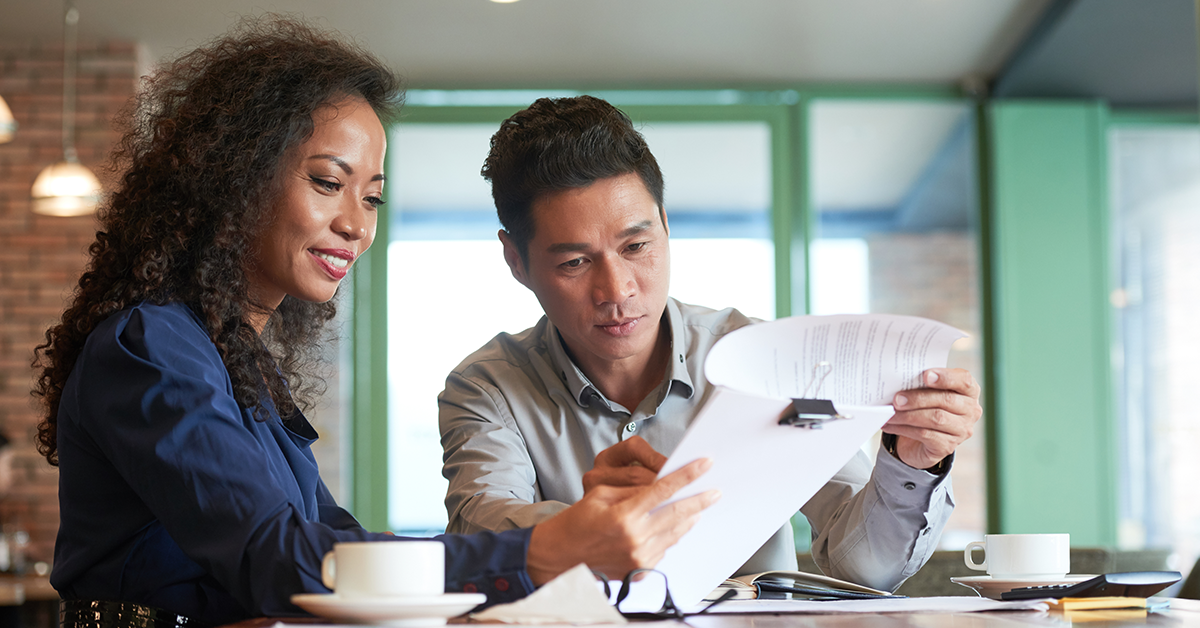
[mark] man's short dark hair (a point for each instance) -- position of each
(560, 144)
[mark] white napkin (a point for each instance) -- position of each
(571, 598)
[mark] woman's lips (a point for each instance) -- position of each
(336, 263)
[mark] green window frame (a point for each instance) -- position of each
(785, 112)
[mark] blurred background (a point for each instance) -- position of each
(1026, 170)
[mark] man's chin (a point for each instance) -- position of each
(617, 349)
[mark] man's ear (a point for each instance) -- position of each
(512, 256)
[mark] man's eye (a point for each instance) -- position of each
(575, 263)
(637, 246)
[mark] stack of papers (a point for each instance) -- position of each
(859, 362)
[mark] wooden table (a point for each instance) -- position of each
(1010, 619)
(1184, 614)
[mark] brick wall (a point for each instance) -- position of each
(41, 257)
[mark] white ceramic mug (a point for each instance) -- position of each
(385, 569)
(1022, 556)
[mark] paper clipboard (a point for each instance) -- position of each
(813, 413)
(739, 429)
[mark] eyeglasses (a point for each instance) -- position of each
(655, 581)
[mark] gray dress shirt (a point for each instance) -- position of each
(521, 424)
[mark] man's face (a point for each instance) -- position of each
(600, 265)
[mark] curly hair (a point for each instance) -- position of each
(199, 162)
(559, 144)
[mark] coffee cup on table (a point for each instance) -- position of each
(1022, 556)
(385, 569)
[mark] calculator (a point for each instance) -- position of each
(1125, 584)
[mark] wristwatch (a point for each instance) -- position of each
(889, 445)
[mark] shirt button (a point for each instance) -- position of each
(501, 584)
(908, 486)
(925, 531)
(631, 427)
(470, 588)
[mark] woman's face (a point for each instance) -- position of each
(324, 215)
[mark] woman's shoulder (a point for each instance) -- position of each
(153, 332)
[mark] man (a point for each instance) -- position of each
(609, 380)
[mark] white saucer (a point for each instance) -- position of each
(409, 612)
(987, 586)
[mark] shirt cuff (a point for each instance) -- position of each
(499, 571)
(919, 500)
(904, 483)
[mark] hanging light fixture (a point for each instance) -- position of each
(67, 188)
(8, 124)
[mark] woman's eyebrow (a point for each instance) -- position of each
(341, 163)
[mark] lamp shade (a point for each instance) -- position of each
(65, 189)
(8, 124)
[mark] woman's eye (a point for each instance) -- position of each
(374, 201)
(328, 186)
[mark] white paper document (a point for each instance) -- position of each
(955, 604)
(767, 471)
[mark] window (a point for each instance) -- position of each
(1154, 174)
(891, 228)
(894, 204)
(449, 290)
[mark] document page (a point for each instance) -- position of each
(767, 471)
(868, 357)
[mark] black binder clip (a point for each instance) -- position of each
(812, 413)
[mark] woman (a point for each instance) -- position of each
(252, 171)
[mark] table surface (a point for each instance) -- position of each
(1186, 613)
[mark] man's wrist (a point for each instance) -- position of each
(888, 442)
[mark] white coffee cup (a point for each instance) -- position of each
(1022, 556)
(385, 569)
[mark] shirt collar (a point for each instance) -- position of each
(582, 388)
(678, 371)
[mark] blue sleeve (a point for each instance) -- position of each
(169, 424)
(332, 515)
(485, 563)
(489, 562)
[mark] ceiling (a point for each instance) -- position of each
(1140, 53)
(1130, 53)
(583, 43)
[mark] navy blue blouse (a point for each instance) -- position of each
(173, 496)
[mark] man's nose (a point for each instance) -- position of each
(614, 282)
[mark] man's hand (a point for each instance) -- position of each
(612, 529)
(632, 462)
(931, 422)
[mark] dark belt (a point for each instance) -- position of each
(103, 614)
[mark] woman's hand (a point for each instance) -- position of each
(613, 530)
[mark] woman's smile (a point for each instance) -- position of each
(325, 213)
(336, 262)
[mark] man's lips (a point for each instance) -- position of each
(618, 328)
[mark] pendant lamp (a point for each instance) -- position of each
(67, 188)
(8, 124)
